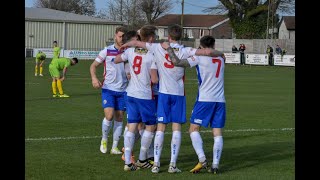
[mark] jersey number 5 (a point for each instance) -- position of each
(137, 64)
(219, 66)
(169, 63)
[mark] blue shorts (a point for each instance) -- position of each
(156, 99)
(141, 110)
(113, 99)
(204, 113)
(171, 108)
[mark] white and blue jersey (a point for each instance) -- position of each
(115, 80)
(114, 75)
(141, 106)
(210, 103)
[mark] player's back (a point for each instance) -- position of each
(60, 63)
(210, 71)
(40, 55)
(171, 78)
(140, 61)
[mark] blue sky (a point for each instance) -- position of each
(190, 6)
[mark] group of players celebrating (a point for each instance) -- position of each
(146, 80)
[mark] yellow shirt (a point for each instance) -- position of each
(56, 52)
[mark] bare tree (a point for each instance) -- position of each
(87, 7)
(102, 13)
(84, 7)
(137, 12)
(154, 8)
(114, 9)
(248, 17)
(225, 6)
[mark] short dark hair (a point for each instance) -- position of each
(128, 35)
(55, 42)
(175, 32)
(207, 41)
(75, 59)
(147, 31)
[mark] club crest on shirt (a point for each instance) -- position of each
(192, 58)
(140, 50)
(175, 49)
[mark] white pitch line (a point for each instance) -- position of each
(206, 131)
(31, 83)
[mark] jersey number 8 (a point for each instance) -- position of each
(137, 64)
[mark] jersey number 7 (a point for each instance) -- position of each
(219, 66)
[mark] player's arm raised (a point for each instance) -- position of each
(118, 59)
(134, 43)
(208, 52)
(175, 60)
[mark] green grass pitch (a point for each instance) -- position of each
(62, 136)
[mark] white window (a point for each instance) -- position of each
(165, 33)
(201, 33)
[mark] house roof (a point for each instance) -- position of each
(190, 20)
(45, 14)
(290, 22)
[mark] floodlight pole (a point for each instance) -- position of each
(267, 34)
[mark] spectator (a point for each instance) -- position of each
(234, 49)
(278, 50)
(242, 48)
(283, 52)
(270, 54)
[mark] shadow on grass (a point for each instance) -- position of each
(243, 157)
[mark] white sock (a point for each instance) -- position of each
(150, 152)
(146, 140)
(128, 146)
(106, 126)
(175, 147)
(158, 144)
(141, 132)
(217, 150)
(125, 130)
(197, 145)
(117, 130)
